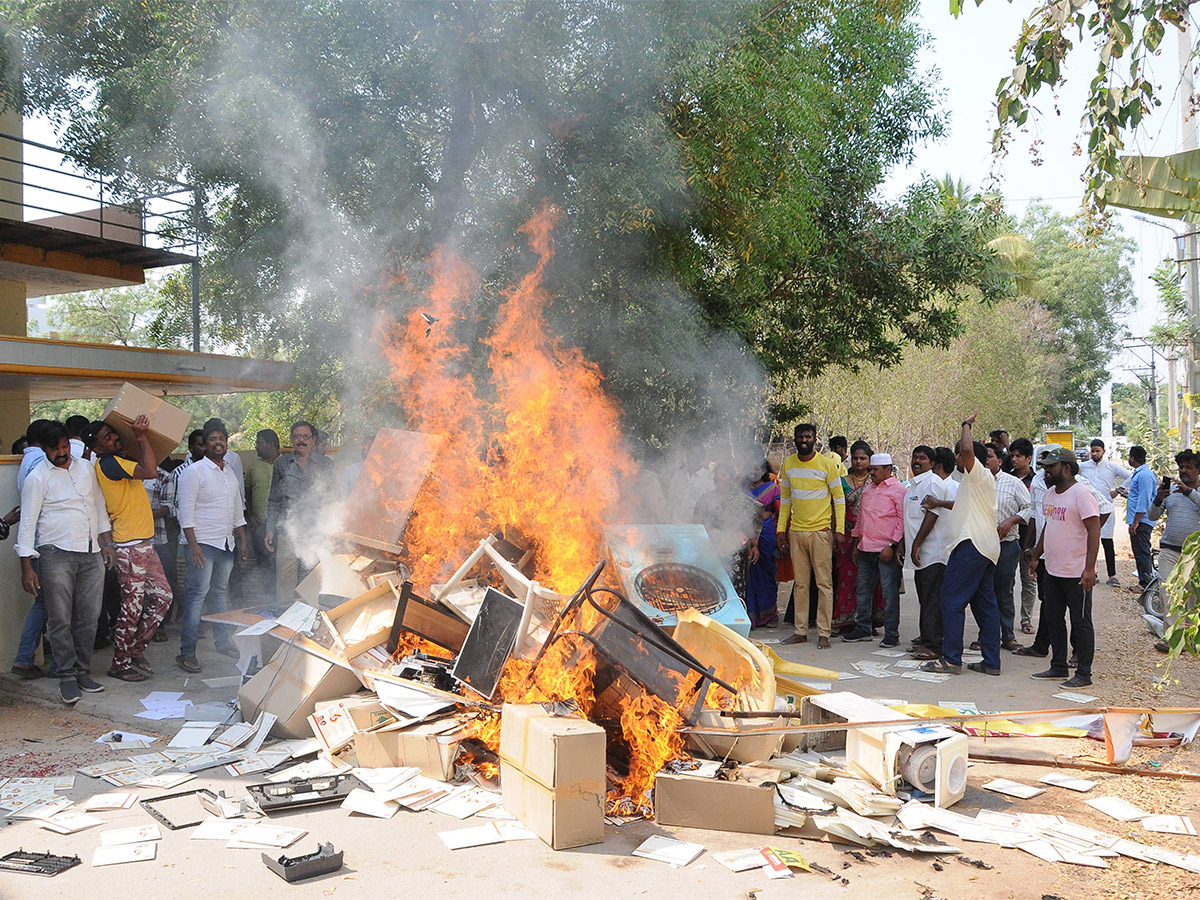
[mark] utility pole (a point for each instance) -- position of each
(1187, 90)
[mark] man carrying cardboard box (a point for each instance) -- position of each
(145, 591)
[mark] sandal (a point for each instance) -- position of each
(139, 663)
(1011, 645)
(1026, 628)
(130, 675)
(975, 645)
(940, 667)
(188, 663)
(925, 653)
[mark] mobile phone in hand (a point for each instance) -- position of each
(1165, 487)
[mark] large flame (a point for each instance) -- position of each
(534, 444)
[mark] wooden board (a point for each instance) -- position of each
(383, 495)
(426, 620)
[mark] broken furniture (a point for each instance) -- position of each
(667, 568)
(299, 792)
(37, 863)
(393, 473)
(297, 868)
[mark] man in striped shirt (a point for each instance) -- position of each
(812, 511)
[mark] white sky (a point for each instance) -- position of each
(972, 54)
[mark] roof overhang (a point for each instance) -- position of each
(59, 370)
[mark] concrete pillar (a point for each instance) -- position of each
(14, 404)
(11, 158)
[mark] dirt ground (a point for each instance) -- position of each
(39, 737)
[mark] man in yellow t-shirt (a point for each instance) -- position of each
(812, 510)
(145, 592)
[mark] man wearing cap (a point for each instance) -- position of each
(970, 571)
(1070, 539)
(1105, 476)
(878, 549)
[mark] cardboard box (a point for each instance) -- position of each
(552, 774)
(571, 815)
(746, 805)
(168, 424)
(334, 722)
(364, 622)
(430, 746)
(290, 686)
(552, 750)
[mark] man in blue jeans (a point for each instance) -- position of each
(35, 621)
(878, 551)
(1142, 488)
(971, 569)
(65, 527)
(214, 524)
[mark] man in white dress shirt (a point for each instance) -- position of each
(214, 524)
(63, 513)
(1105, 476)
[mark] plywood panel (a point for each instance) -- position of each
(384, 492)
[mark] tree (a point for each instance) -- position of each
(998, 365)
(1084, 287)
(729, 152)
(1120, 95)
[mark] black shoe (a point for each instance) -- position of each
(1051, 673)
(69, 691)
(29, 673)
(1160, 646)
(89, 684)
(1031, 651)
(858, 634)
(982, 669)
(1077, 681)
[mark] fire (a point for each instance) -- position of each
(531, 442)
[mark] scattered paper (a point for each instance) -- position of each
(71, 822)
(891, 654)
(111, 856)
(260, 627)
(299, 617)
(194, 734)
(1169, 825)
(223, 682)
(261, 835)
(217, 829)
(463, 804)
(134, 835)
(167, 780)
(158, 698)
(740, 860)
(262, 726)
(1075, 697)
(476, 836)
(101, 802)
(124, 738)
(1119, 809)
(368, 803)
(1012, 788)
(1067, 781)
(668, 850)
(159, 713)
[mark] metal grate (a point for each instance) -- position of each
(671, 587)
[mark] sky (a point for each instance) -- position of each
(972, 53)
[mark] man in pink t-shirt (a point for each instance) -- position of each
(1070, 539)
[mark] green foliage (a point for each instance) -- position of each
(1172, 335)
(1120, 94)
(1084, 286)
(922, 399)
(733, 151)
(1183, 587)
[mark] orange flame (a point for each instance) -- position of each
(534, 444)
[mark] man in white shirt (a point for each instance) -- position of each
(62, 512)
(214, 525)
(1013, 508)
(970, 570)
(925, 542)
(1105, 476)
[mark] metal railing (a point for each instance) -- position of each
(42, 184)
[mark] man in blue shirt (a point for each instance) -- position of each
(1142, 488)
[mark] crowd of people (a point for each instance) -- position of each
(991, 526)
(111, 541)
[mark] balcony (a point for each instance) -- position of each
(65, 229)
